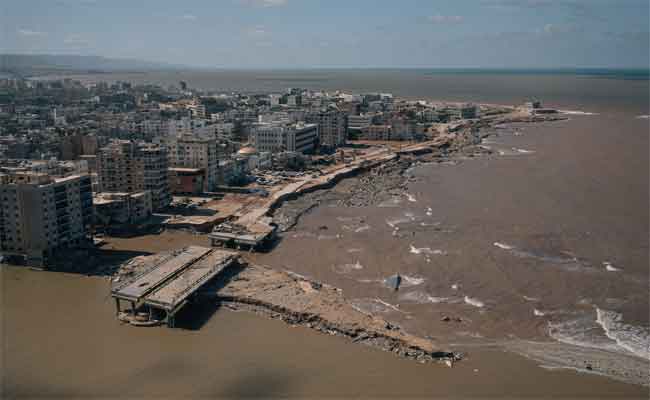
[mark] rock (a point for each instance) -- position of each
(323, 227)
(393, 282)
(445, 319)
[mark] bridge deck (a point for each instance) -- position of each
(175, 291)
(158, 275)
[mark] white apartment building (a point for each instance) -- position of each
(359, 121)
(274, 138)
(40, 214)
(190, 126)
(279, 117)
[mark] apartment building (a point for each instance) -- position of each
(121, 208)
(275, 138)
(268, 137)
(332, 127)
(468, 111)
(41, 214)
(377, 132)
(126, 167)
(359, 121)
(189, 151)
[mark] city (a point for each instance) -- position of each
(324, 199)
(82, 161)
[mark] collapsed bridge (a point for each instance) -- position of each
(167, 283)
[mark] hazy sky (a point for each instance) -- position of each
(336, 33)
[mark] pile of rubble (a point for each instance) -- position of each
(231, 227)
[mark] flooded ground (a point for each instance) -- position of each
(63, 341)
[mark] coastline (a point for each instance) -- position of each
(309, 194)
(479, 353)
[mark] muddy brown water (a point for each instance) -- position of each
(513, 244)
(63, 341)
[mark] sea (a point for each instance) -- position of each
(539, 248)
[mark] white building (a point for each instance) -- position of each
(274, 138)
(359, 121)
(190, 126)
(41, 214)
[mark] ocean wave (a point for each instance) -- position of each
(606, 332)
(429, 212)
(474, 302)
(426, 250)
(411, 198)
(582, 332)
(362, 228)
(408, 281)
(540, 313)
(347, 268)
(393, 223)
(523, 151)
(527, 298)
(503, 246)
(634, 339)
(573, 262)
(354, 250)
(514, 151)
(643, 117)
(609, 267)
(420, 297)
(570, 112)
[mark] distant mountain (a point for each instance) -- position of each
(37, 64)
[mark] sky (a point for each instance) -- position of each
(337, 33)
